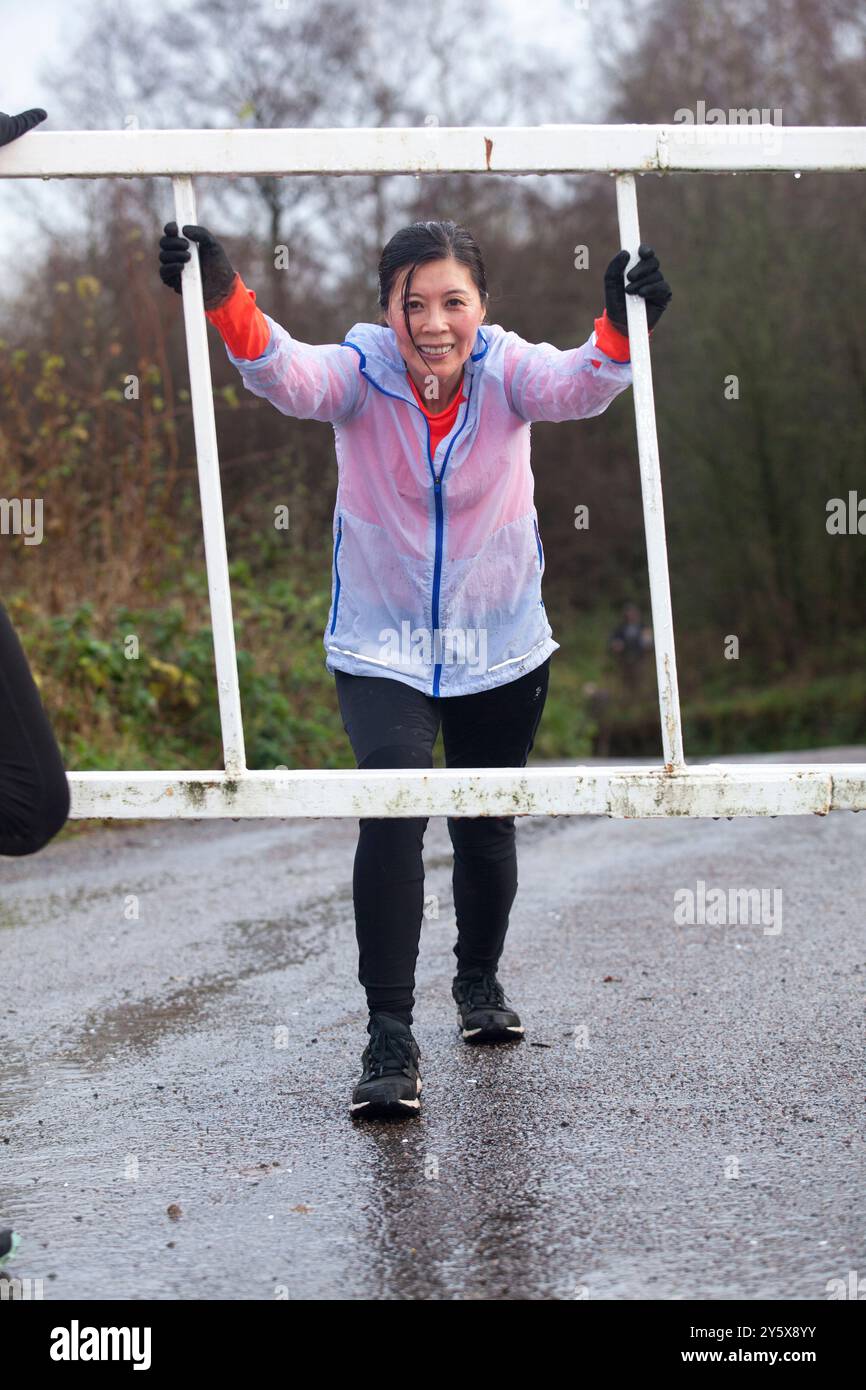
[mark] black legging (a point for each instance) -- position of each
(34, 792)
(391, 724)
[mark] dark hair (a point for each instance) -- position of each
(428, 241)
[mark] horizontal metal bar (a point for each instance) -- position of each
(544, 149)
(729, 789)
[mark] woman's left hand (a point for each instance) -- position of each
(646, 280)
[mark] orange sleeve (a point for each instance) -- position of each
(612, 342)
(241, 323)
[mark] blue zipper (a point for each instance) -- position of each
(336, 571)
(540, 559)
(538, 543)
(437, 482)
(440, 523)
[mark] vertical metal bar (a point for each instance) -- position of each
(216, 557)
(651, 486)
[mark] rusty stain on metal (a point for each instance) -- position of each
(488, 147)
(670, 718)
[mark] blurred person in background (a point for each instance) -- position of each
(631, 640)
(628, 679)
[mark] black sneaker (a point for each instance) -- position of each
(389, 1083)
(485, 1013)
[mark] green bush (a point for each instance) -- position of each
(136, 689)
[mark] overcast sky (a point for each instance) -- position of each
(34, 33)
(34, 30)
(30, 32)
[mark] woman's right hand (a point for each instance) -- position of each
(217, 273)
(13, 126)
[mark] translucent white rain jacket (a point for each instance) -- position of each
(437, 563)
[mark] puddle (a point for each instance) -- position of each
(25, 1079)
(259, 946)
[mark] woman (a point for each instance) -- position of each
(436, 610)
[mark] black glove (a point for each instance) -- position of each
(217, 273)
(13, 126)
(647, 281)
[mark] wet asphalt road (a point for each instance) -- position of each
(681, 1121)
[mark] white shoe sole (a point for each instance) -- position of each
(510, 1028)
(390, 1106)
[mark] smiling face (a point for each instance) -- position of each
(445, 311)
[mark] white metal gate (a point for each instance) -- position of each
(670, 789)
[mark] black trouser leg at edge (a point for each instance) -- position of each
(34, 792)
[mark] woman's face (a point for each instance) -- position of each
(445, 310)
